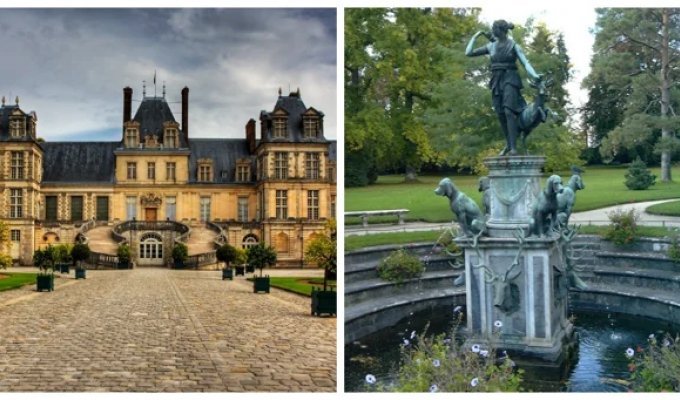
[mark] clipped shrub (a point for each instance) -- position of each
(399, 266)
(638, 176)
(124, 253)
(623, 228)
(657, 367)
(180, 252)
(446, 243)
(441, 364)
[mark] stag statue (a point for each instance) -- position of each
(535, 113)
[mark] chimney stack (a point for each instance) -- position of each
(127, 104)
(250, 136)
(185, 114)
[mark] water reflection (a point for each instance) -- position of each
(600, 366)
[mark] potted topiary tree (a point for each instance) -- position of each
(124, 256)
(226, 254)
(323, 251)
(44, 259)
(62, 258)
(242, 260)
(180, 253)
(260, 256)
(80, 252)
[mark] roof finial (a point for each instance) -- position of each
(298, 91)
(3, 101)
(143, 88)
(279, 91)
(17, 100)
(163, 89)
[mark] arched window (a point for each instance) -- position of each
(249, 241)
(150, 248)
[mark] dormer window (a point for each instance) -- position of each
(170, 138)
(131, 137)
(311, 127)
(16, 127)
(205, 170)
(280, 127)
(242, 173)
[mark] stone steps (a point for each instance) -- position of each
(201, 240)
(367, 270)
(637, 277)
(370, 289)
(626, 260)
(101, 241)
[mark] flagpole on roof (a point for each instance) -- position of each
(154, 83)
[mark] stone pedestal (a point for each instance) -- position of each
(515, 282)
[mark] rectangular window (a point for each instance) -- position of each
(102, 208)
(280, 128)
(170, 171)
(280, 165)
(332, 206)
(16, 203)
(151, 170)
(243, 209)
(15, 128)
(311, 127)
(170, 136)
(15, 235)
(50, 208)
(204, 173)
(205, 209)
(132, 170)
(312, 204)
(281, 204)
(171, 208)
(130, 138)
(243, 173)
(76, 208)
(131, 208)
(312, 165)
(17, 165)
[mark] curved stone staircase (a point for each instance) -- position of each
(201, 240)
(100, 240)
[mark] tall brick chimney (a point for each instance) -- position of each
(185, 113)
(127, 104)
(250, 136)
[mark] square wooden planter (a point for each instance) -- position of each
(240, 271)
(250, 269)
(261, 284)
(64, 269)
(45, 282)
(324, 302)
(81, 273)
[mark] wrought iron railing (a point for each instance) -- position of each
(103, 260)
(199, 260)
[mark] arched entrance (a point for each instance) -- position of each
(150, 249)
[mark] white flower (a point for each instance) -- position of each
(457, 309)
(434, 388)
(630, 352)
(413, 335)
(406, 342)
(498, 324)
(474, 382)
(370, 379)
(651, 336)
(475, 348)
(436, 363)
(666, 343)
(447, 341)
(484, 353)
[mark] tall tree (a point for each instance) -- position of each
(635, 49)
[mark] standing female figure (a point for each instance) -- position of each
(505, 81)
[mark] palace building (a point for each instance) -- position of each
(159, 185)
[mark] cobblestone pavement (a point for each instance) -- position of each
(153, 330)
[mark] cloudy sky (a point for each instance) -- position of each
(70, 65)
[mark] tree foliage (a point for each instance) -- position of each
(261, 256)
(412, 98)
(5, 258)
(226, 254)
(633, 96)
(323, 249)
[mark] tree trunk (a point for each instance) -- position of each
(665, 95)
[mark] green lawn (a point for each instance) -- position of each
(299, 285)
(15, 280)
(604, 187)
(671, 208)
(396, 238)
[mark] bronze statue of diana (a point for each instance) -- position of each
(505, 81)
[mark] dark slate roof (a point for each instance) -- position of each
(333, 150)
(295, 107)
(223, 152)
(151, 114)
(79, 162)
(5, 112)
